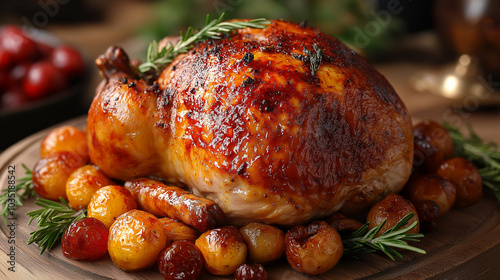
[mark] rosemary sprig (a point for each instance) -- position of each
(156, 59)
(365, 241)
(53, 220)
(23, 190)
(486, 157)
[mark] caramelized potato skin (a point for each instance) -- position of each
(342, 224)
(432, 145)
(109, 202)
(177, 231)
(265, 243)
(83, 183)
(391, 209)
(65, 138)
(250, 271)
(313, 249)
(51, 173)
(135, 240)
(465, 176)
(428, 214)
(223, 249)
(431, 187)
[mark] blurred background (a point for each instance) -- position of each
(417, 45)
(366, 25)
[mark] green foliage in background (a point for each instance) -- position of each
(344, 19)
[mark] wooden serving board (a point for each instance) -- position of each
(465, 244)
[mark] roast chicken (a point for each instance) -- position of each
(279, 125)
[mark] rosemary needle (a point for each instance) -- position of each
(366, 241)
(156, 59)
(52, 220)
(485, 156)
(23, 190)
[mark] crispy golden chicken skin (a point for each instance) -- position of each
(251, 122)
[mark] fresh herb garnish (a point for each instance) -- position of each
(156, 60)
(22, 191)
(314, 58)
(485, 157)
(366, 241)
(53, 220)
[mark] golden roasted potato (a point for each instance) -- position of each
(465, 176)
(177, 231)
(51, 173)
(83, 183)
(431, 187)
(109, 202)
(223, 249)
(313, 249)
(135, 240)
(265, 242)
(65, 139)
(392, 209)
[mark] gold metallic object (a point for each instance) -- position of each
(462, 81)
(471, 30)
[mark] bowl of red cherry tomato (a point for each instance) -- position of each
(42, 82)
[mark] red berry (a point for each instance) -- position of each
(5, 60)
(13, 97)
(250, 272)
(8, 29)
(18, 72)
(85, 240)
(42, 79)
(3, 81)
(68, 60)
(182, 260)
(20, 47)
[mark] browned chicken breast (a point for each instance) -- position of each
(279, 125)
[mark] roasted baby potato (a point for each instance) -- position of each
(343, 224)
(265, 242)
(428, 214)
(135, 240)
(181, 260)
(431, 187)
(465, 176)
(432, 145)
(223, 249)
(65, 139)
(109, 202)
(392, 209)
(250, 271)
(51, 173)
(313, 249)
(177, 231)
(83, 183)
